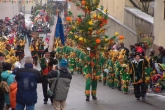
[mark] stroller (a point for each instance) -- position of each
(159, 80)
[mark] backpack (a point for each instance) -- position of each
(4, 87)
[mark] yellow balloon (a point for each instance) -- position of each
(116, 33)
(76, 36)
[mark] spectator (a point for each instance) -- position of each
(27, 79)
(12, 93)
(15, 67)
(160, 54)
(2, 98)
(132, 48)
(29, 37)
(63, 84)
(139, 49)
(121, 46)
(9, 78)
(163, 56)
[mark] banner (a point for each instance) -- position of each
(59, 32)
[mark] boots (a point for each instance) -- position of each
(87, 98)
(94, 97)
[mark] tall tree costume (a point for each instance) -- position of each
(138, 76)
(46, 64)
(91, 78)
(34, 52)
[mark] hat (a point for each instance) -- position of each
(137, 53)
(17, 64)
(64, 63)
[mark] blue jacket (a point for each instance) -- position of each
(9, 78)
(27, 79)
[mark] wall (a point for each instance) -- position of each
(115, 8)
(8, 9)
(159, 23)
(138, 21)
(117, 26)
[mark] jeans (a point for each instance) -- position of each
(22, 106)
(2, 103)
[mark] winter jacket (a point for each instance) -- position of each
(27, 79)
(63, 84)
(9, 78)
(1, 92)
(12, 94)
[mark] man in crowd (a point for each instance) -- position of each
(27, 79)
(63, 84)
(46, 64)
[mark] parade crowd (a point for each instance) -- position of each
(118, 68)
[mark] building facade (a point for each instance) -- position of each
(9, 9)
(159, 23)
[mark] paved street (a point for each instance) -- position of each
(108, 99)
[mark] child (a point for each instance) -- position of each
(15, 67)
(12, 94)
(47, 38)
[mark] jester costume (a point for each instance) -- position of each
(138, 76)
(71, 61)
(40, 45)
(125, 77)
(34, 52)
(111, 75)
(103, 60)
(46, 64)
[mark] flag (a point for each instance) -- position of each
(59, 31)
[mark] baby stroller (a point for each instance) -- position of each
(159, 80)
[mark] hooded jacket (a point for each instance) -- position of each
(27, 79)
(63, 84)
(12, 94)
(9, 78)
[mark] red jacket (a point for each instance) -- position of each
(12, 94)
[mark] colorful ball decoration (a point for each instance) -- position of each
(68, 18)
(97, 40)
(116, 33)
(121, 37)
(83, 2)
(80, 39)
(76, 36)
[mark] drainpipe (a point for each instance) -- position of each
(134, 4)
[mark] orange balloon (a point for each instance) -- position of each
(98, 40)
(121, 37)
(68, 18)
(83, 2)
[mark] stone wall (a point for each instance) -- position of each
(138, 21)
